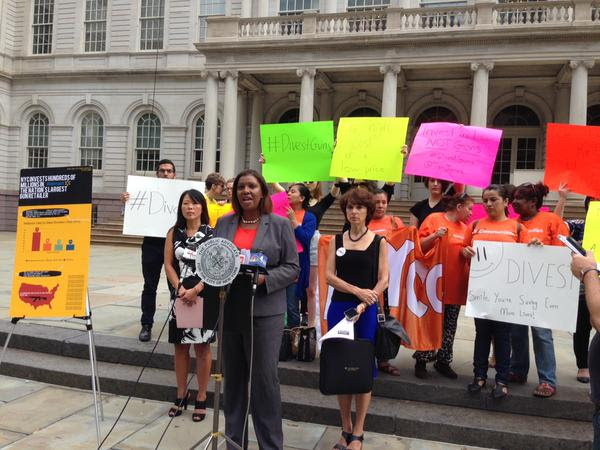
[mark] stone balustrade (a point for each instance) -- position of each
(483, 15)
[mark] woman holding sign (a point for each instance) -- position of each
(496, 227)
(546, 226)
(449, 228)
(190, 230)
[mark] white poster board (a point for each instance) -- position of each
(152, 206)
(526, 285)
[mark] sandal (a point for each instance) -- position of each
(354, 438)
(345, 436)
(388, 368)
(179, 405)
(544, 390)
(500, 391)
(477, 385)
(199, 416)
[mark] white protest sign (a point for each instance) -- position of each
(152, 206)
(525, 285)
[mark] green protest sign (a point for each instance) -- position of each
(297, 151)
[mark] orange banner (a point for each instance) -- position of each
(415, 289)
(573, 157)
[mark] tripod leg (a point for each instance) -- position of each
(10, 333)
(93, 367)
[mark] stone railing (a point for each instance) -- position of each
(483, 15)
(532, 13)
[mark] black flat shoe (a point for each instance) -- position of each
(353, 438)
(145, 333)
(199, 417)
(421, 370)
(445, 370)
(500, 391)
(345, 436)
(179, 405)
(477, 385)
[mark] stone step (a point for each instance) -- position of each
(569, 403)
(445, 423)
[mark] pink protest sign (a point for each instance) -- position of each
(479, 212)
(454, 152)
(280, 206)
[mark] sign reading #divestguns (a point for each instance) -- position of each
(52, 243)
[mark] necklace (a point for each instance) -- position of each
(250, 221)
(358, 238)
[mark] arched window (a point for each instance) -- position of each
(435, 114)
(364, 111)
(37, 141)
(290, 116)
(518, 146)
(593, 115)
(92, 140)
(147, 142)
(199, 145)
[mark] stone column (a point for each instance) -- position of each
(211, 117)
(256, 120)
(246, 8)
(325, 106)
(561, 104)
(390, 90)
(242, 121)
(307, 93)
(263, 8)
(579, 91)
(479, 101)
(229, 140)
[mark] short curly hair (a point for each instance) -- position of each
(358, 197)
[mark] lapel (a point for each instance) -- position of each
(263, 227)
(232, 226)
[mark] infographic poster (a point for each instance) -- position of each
(52, 243)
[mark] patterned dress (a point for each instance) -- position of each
(184, 250)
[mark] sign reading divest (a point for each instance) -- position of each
(297, 151)
(454, 152)
(573, 157)
(591, 233)
(370, 148)
(152, 206)
(526, 285)
(52, 243)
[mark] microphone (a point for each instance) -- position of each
(254, 263)
(185, 254)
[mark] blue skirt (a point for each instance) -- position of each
(364, 328)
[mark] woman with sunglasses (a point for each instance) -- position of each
(545, 226)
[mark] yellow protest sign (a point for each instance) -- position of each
(369, 148)
(52, 243)
(591, 233)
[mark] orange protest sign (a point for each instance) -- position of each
(573, 157)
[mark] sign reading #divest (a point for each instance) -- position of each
(152, 206)
(525, 285)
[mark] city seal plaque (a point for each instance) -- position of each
(217, 262)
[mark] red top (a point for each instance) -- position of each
(244, 238)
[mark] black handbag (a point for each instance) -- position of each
(346, 366)
(390, 333)
(285, 351)
(307, 344)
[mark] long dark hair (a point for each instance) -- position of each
(197, 198)
(304, 192)
(265, 206)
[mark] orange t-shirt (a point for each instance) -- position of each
(508, 230)
(455, 277)
(386, 224)
(244, 238)
(546, 226)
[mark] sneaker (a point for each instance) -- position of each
(445, 370)
(145, 333)
(421, 370)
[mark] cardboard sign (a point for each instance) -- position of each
(573, 157)
(52, 243)
(152, 206)
(591, 233)
(454, 152)
(369, 148)
(297, 151)
(525, 285)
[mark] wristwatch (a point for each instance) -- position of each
(589, 269)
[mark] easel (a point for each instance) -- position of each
(98, 409)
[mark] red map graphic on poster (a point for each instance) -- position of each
(36, 295)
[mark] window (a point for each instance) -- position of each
(364, 111)
(367, 5)
(199, 145)
(517, 116)
(209, 8)
(593, 115)
(95, 25)
(37, 141)
(290, 7)
(147, 142)
(43, 17)
(290, 116)
(152, 19)
(92, 139)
